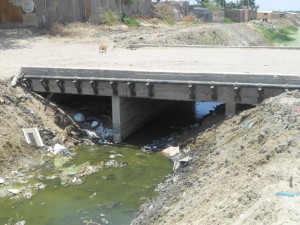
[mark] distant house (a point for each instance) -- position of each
(18, 13)
(269, 15)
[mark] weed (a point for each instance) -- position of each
(110, 17)
(227, 20)
(273, 35)
(293, 28)
(131, 22)
(165, 13)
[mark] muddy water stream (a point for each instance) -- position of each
(110, 196)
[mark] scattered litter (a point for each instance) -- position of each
(14, 82)
(162, 143)
(181, 163)
(248, 124)
(298, 110)
(14, 191)
(20, 223)
(57, 148)
(283, 194)
(79, 117)
(171, 151)
(115, 155)
(93, 195)
(32, 136)
(91, 134)
(2, 181)
(111, 163)
(95, 124)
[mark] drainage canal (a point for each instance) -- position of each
(96, 184)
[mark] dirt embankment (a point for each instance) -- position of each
(238, 172)
(22, 109)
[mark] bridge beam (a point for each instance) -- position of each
(129, 114)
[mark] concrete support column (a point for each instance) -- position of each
(230, 108)
(228, 95)
(129, 114)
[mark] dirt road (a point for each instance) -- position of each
(189, 59)
(78, 46)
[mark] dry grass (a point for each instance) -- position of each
(71, 29)
(190, 19)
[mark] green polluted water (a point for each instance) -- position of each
(110, 196)
(295, 35)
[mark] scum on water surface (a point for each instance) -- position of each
(126, 178)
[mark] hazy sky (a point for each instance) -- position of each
(283, 5)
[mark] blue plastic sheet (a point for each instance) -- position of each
(286, 194)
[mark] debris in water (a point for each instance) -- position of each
(171, 151)
(57, 148)
(79, 117)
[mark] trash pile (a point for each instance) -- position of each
(94, 129)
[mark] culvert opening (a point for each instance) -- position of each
(178, 120)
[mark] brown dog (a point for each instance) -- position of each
(102, 47)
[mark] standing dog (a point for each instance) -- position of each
(102, 47)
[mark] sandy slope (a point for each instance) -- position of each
(236, 171)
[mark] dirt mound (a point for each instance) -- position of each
(242, 172)
(22, 109)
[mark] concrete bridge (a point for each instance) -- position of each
(137, 96)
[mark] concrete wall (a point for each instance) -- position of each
(201, 13)
(9, 13)
(217, 17)
(236, 15)
(129, 114)
(69, 11)
(30, 19)
(98, 7)
(253, 14)
(246, 14)
(62, 11)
